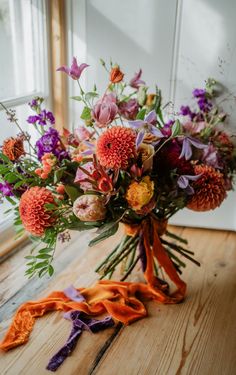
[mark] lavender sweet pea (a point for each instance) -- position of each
(183, 182)
(74, 71)
(187, 144)
(148, 124)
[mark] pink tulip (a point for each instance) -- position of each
(105, 110)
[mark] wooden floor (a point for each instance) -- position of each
(195, 337)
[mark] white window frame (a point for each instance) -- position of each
(43, 79)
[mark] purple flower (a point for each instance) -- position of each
(36, 102)
(204, 105)
(146, 125)
(199, 93)
(75, 70)
(48, 143)
(183, 183)
(6, 189)
(135, 82)
(42, 118)
(186, 111)
(188, 142)
(210, 157)
(129, 109)
(32, 119)
(82, 178)
(105, 110)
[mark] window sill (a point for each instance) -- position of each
(9, 243)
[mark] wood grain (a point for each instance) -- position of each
(57, 27)
(195, 337)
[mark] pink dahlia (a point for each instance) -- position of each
(116, 147)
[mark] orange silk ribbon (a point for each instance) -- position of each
(119, 299)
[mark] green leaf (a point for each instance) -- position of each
(18, 184)
(86, 114)
(90, 95)
(11, 177)
(29, 257)
(58, 174)
(72, 192)
(176, 129)
(43, 271)
(46, 250)
(77, 98)
(107, 233)
(50, 270)
(4, 158)
(50, 206)
(10, 200)
(41, 264)
(43, 256)
(3, 169)
(141, 114)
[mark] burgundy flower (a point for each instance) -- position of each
(129, 109)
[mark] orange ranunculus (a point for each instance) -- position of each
(139, 194)
(116, 74)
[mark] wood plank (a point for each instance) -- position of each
(181, 339)
(57, 11)
(196, 337)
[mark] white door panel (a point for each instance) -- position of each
(178, 43)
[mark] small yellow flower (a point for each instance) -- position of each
(140, 193)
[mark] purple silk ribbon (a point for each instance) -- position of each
(80, 322)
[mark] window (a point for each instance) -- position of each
(24, 64)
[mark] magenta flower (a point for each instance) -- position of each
(129, 109)
(105, 110)
(135, 82)
(6, 189)
(75, 70)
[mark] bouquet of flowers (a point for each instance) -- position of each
(127, 164)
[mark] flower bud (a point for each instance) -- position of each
(89, 207)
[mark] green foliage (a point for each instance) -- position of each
(86, 114)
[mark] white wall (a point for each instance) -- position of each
(178, 43)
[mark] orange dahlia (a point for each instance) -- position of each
(35, 217)
(13, 148)
(115, 147)
(209, 189)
